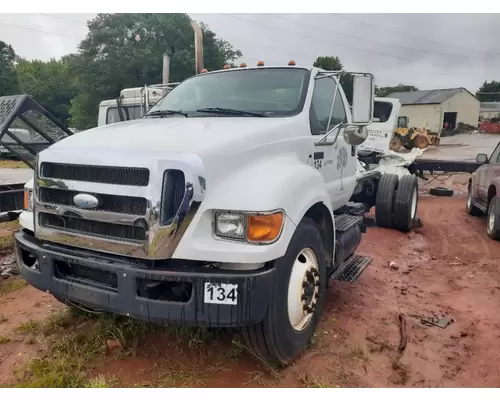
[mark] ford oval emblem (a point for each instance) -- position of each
(84, 200)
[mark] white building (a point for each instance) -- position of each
(432, 108)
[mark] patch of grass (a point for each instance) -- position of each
(7, 244)
(100, 382)
(11, 225)
(358, 353)
(28, 327)
(11, 285)
(377, 345)
(70, 356)
(401, 372)
(12, 164)
(313, 381)
(4, 339)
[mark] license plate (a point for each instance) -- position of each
(221, 293)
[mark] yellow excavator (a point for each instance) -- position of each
(411, 137)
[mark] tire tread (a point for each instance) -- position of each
(384, 202)
(403, 220)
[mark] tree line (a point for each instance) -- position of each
(119, 51)
(125, 50)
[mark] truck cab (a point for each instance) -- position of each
(226, 205)
(132, 103)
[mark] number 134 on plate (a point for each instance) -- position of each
(221, 293)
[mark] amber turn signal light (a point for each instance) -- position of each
(264, 228)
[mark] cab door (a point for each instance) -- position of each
(336, 161)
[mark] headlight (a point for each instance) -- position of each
(231, 226)
(28, 200)
(250, 227)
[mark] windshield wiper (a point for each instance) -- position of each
(229, 111)
(159, 113)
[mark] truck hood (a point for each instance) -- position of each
(181, 135)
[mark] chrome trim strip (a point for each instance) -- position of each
(161, 241)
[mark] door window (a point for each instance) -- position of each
(321, 106)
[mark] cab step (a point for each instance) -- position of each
(344, 222)
(351, 269)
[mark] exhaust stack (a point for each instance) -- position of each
(198, 56)
(198, 47)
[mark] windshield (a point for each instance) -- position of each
(271, 92)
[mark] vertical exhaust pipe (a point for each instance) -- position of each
(198, 56)
(165, 72)
(198, 47)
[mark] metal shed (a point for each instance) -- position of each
(431, 109)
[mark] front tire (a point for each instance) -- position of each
(493, 221)
(297, 300)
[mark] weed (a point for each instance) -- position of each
(29, 327)
(402, 372)
(11, 285)
(10, 226)
(6, 244)
(312, 381)
(4, 339)
(12, 164)
(70, 356)
(358, 353)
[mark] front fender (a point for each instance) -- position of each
(282, 182)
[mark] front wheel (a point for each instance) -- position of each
(493, 227)
(297, 300)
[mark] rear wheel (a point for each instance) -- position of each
(297, 300)
(493, 227)
(384, 202)
(406, 203)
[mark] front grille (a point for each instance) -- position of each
(173, 191)
(92, 228)
(107, 202)
(129, 176)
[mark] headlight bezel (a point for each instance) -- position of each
(245, 217)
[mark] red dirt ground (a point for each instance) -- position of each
(448, 267)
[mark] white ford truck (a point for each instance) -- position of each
(226, 205)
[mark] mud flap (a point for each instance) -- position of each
(26, 128)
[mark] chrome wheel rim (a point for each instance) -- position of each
(303, 289)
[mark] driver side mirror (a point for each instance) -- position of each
(481, 158)
(363, 99)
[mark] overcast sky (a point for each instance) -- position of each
(426, 50)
